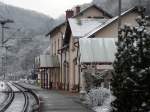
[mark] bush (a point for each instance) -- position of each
(97, 96)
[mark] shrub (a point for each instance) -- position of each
(97, 96)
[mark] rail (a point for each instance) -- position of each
(26, 104)
(36, 107)
(8, 100)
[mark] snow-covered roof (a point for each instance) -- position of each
(81, 27)
(107, 23)
(47, 61)
(97, 50)
(81, 12)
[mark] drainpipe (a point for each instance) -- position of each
(76, 44)
(65, 71)
(82, 91)
(61, 57)
(79, 68)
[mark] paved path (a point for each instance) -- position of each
(60, 101)
(55, 101)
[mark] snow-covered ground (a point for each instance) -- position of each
(17, 104)
(2, 86)
(2, 95)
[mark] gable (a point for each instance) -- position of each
(93, 12)
(110, 28)
(60, 29)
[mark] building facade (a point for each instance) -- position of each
(91, 22)
(62, 79)
(107, 28)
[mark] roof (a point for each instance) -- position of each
(61, 24)
(97, 50)
(100, 9)
(81, 27)
(93, 5)
(109, 22)
(47, 61)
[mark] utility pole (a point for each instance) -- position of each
(6, 48)
(140, 3)
(3, 23)
(2, 59)
(119, 13)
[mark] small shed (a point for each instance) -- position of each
(96, 55)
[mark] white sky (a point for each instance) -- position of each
(52, 8)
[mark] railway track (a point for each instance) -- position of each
(8, 99)
(36, 105)
(26, 102)
(18, 99)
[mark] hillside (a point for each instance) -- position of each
(112, 5)
(29, 29)
(32, 27)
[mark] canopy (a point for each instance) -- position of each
(47, 61)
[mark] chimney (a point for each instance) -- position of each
(69, 14)
(77, 8)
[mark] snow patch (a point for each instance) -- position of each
(2, 86)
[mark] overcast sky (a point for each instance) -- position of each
(52, 8)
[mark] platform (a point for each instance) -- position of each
(59, 101)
